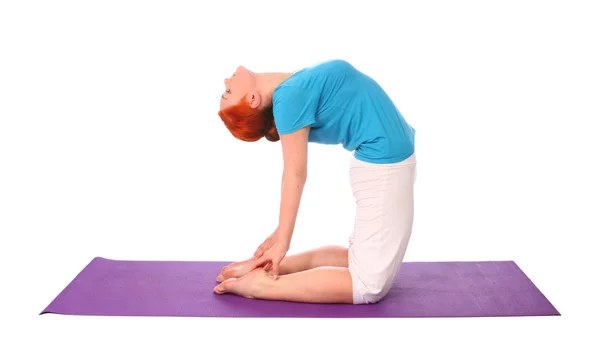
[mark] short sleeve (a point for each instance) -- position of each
(294, 108)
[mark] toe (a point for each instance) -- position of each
(225, 286)
(221, 288)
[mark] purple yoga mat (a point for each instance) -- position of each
(178, 288)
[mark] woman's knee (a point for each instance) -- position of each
(370, 288)
(375, 292)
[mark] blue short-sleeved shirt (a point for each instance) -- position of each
(343, 106)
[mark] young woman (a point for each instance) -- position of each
(331, 103)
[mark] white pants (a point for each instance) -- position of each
(384, 196)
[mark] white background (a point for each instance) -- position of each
(110, 145)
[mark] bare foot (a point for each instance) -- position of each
(236, 270)
(247, 286)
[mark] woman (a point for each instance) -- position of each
(331, 103)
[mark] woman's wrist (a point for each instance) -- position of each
(284, 235)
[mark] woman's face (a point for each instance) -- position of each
(241, 83)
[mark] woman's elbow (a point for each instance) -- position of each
(299, 174)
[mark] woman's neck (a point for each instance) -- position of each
(269, 81)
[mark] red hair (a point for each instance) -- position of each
(250, 124)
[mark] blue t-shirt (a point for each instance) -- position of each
(343, 106)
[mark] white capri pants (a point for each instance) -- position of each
(384, 196)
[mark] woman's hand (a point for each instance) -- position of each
(271, 252)
(265, 246)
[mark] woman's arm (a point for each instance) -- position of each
(295, 150)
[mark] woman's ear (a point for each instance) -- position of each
(254, 99)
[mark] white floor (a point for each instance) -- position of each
(110, 146)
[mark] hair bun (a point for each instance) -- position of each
(271, 133)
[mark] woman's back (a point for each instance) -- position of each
(343, 106)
